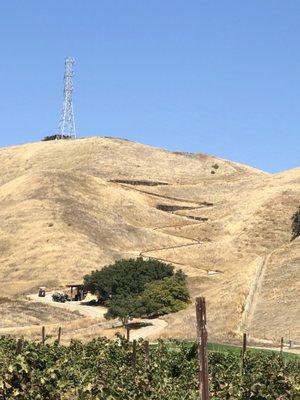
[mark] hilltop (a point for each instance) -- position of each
(68, 207)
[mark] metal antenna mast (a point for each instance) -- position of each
(66, 123)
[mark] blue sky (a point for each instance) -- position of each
(218, 77)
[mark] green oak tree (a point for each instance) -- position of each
(138, 288)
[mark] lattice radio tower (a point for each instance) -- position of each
(66, 123)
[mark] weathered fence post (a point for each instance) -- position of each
(127, 333)
(147, 353)
(281, 347)
(59, 335)
(202, 348)
(43, 335)
(244, 348)
(20, 345)
(244, 343)
(133, 358)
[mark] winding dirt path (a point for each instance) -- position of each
(252, 295)
(157, 325)
(256, 284)
(192, 242)
(80, 307)
(96, 312)
(200, 204)
(255, 288)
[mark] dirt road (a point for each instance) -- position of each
(81, 307)
(156, 327)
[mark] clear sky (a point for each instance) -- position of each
(218, 77)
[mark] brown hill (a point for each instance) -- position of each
(68, 207)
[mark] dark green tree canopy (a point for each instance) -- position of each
(138, 288)
(163, 297)
(126, 277)
(122, 307)
(296, 224)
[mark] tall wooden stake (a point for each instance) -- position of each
(127, 334)
(43, 335)
(147, 353)
(133, 359)
(244, 348)
(20, 345)
(59, 335)
(244, 342)
(202, 348)
(281, 347)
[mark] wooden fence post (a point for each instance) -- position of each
(202, 348)
(127, 334)
(147, 353)
(43, 335)
(59, 335)
(133, 358)
(244, 348)
(20, 345)
(281, 347)
(244, 342)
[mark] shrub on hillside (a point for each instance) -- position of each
(55, 137)
(296, 224)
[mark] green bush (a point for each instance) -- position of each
(56, 137)
(296, 224)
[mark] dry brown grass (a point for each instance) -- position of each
(61, 216)
(17, 313)
(26, 318)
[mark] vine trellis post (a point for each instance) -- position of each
(202, 348)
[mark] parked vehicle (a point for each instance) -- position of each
(60, 297)
(42, 291)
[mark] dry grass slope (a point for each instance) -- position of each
(68, 207)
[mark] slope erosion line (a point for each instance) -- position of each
(200, 203)
(254, 288)
(252, 298)
(193, 242)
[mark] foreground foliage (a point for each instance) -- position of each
(102, 370)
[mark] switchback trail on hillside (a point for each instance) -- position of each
(192, 241)
(255, 289)
(252, 295)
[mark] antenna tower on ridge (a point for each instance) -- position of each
(66, 123)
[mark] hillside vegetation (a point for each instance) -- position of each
(70, 207)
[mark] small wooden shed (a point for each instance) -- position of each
(77, 292)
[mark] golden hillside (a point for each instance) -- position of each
(68, 207)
